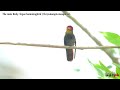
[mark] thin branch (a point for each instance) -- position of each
(91, 36)
(59, 46)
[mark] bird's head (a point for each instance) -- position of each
(69, 29)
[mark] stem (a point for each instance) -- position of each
(59, 46)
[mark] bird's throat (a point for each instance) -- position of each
(69, 32)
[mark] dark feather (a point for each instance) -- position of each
(69, 53)
(69, 40)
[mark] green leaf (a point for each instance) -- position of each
(103, 67)
(118, 78)
(112, 37)
(118, 71)
(96, 66)
(100, 73)
(100, 68)
(117, 65)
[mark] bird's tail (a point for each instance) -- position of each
(75, 51)
(69, 53)
(75, 54)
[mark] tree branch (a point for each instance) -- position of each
(59, 46)
(91, 36)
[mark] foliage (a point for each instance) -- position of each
(112, 37)
(104, 72)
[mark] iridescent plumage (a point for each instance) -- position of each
(69, 40)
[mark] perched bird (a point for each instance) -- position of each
(69, 40)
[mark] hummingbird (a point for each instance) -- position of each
(69, 40)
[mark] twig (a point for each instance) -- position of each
(59, 46)
(91, 36)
